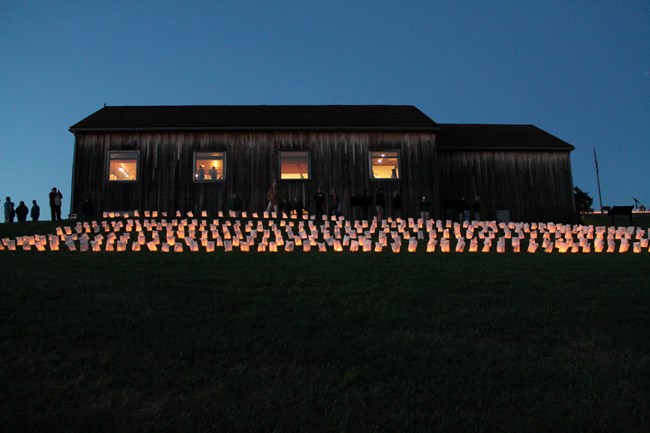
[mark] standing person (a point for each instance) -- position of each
(235, 205)
(335, 203)
(319, 199)
(380, 203)
(87, 209)
(52, 196)
(424, 206)
(21, 212)
(274, 199)
(464, 215)
(36, 211)
(9, 210)
(397, 205)
(367, 202)
(55, 204)
(476, 207)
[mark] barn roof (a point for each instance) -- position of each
(495, 137)
(255, 117)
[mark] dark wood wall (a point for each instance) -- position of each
(339, 160)
(527, 183)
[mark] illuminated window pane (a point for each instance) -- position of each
(209, 166)
(123, 166)
(384, 165)
(294, 165)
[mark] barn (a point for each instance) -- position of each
(193, 158)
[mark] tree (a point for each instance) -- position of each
(583, 200)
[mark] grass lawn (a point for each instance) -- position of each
(235, 342)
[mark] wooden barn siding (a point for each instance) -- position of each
(521, 181)
(338, 160)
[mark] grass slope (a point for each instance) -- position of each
(324, 342)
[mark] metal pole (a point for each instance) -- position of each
(600, 199)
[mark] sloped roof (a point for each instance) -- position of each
(255, 117)
(492, 137)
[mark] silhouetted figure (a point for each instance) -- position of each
(21, 212)
(397, 205)
(464, 213)
(9, 210)
(424, 207)
(367, 201)
(35, 213)
(235, 205)
(200, 174)
(213, 173)
(273, 199)
(55, 204)
(335, 203)
(380, 203)
(319, 200)
(87, 209)
(476, 207)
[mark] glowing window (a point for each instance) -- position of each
(384, 164)
(209, 166)
(123, 166)
(294, 166)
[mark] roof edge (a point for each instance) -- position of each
(260, 128)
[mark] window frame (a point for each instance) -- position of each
(398, 156)
(207, 179)
(112, 155)
(281, 158)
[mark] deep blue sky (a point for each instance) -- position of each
(577, 69)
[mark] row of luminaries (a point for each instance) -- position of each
(228, 234)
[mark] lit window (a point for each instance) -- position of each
(209, 166)
(294, 165)
(123, 166)
(384, 165)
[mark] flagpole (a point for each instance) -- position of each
(600, 199)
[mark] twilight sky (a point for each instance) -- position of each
(580, 70)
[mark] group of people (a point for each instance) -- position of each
(296, 205)
(21, 211)
(200, 173)
(274, 204)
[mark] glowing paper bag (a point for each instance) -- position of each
(501, 245)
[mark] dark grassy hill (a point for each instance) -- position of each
(324, 342)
